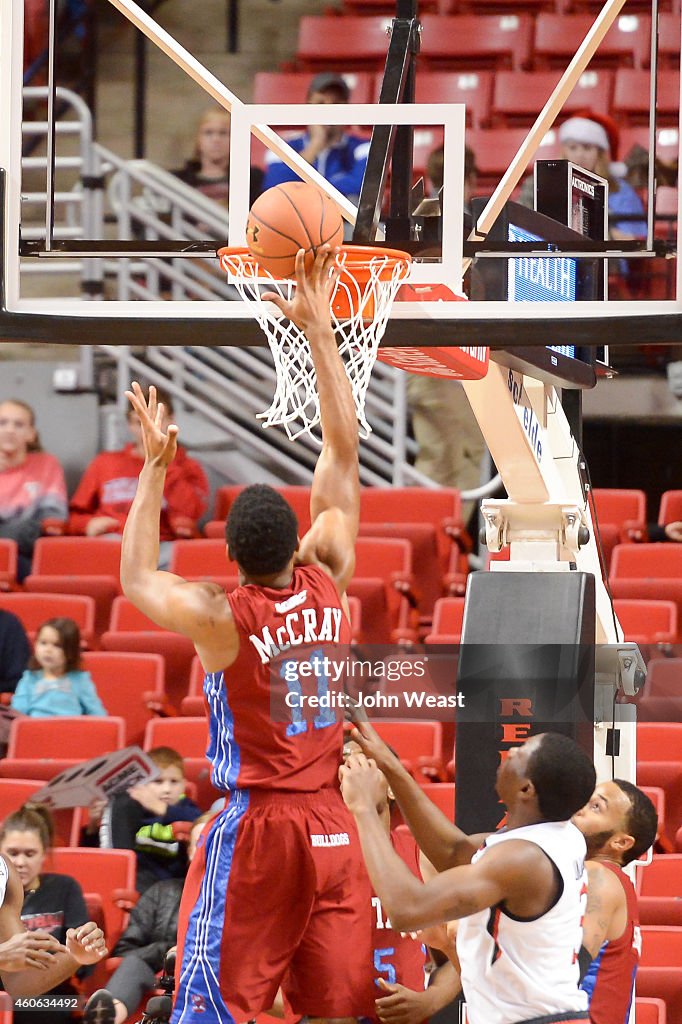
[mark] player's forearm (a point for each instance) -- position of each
(444, 844)
(391, 879)
(445, 985)
(34, 982)
(337, 407)
(140, 545)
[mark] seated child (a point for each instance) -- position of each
(143, 820)
(54, 683)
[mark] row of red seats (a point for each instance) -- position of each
(503, 98)
(387, 7)
(516, 40)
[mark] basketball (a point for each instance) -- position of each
(289, 217)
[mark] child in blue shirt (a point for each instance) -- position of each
(54, 684)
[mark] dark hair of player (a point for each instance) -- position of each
(563, 776)
(641, 822)
(261, 531)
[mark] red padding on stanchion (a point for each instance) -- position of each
(456, 362)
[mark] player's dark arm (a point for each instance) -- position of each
(445, 845)
(56, 964)
(604, 897)
(194, 609)
(335, 492)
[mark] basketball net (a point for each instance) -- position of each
(360, 306)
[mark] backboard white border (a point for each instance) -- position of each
(449, 116)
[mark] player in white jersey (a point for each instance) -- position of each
(520, 892)
(32, 963)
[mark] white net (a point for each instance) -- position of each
(360, 307)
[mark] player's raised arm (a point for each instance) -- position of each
(189, 608)
(335, 494)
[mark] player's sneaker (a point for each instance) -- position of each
(100, 1008)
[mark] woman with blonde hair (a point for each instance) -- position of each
(208, 169)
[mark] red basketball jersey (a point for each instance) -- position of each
(269, 725)
(610, 979)
(398, 958)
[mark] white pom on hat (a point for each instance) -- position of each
(580, 129)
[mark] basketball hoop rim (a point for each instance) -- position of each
(358, 259)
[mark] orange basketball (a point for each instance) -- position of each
(287, 218)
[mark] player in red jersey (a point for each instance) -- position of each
(278, 886)
(619, 824)
(400, 960)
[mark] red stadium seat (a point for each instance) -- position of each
(660, 968)
(110, 873)
(470, 41)
(448, 617)
(189, 736)
(385, 6)
(8, 563)
(198, 773)
(647, 622)
(78, 565)
(204, 559)
(419, 745)
(431, 520)
(651, 571)
(518, 97)
(14, 793)
(6, 1008)
(443, 796)
(495, 149)
(670, 509)
(292, 86)
(650, 1011)
(131, 685)
(625, 509)
(383, 583)
(193, 705)
(659, 890)
(558, 36)
(659, 742)
(353, 42)
(659, 764)
(85, 735)
(664, 677)
(34, 609)
(631, 96)
(298, 498)
(668, 40)
(131, 631)
(472, 88)
(667, 142)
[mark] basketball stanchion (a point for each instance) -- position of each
(369, 279)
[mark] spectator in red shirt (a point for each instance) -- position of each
(103, 498)
(32, 487)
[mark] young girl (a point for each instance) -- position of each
(54, 683)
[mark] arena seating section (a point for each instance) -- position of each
(409, 585)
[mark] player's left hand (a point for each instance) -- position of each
(87, 944)
(402, 1005)
(159, 447)
(362, 784)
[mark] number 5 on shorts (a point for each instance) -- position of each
(381, 967)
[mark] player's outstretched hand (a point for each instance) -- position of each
(309, 308)
(372, 745)
(362, 785)
(28, 949)
(86, 944)
(159, 447)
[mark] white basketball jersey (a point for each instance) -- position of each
(513, 969)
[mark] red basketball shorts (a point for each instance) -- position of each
(277, 894)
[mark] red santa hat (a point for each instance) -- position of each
(592, 130)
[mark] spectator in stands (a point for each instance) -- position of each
(148, 819)
(151, 932)
(15, 651)
(100, 506)
(338, 155)
(451, 445)
(32, 486)
(591, 141)
(52, 903)
(54, 683)
(208, 169)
